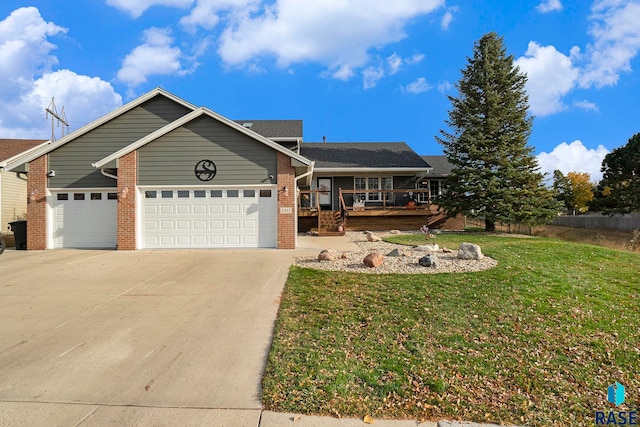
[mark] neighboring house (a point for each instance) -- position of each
(13, 186)
(159, 172)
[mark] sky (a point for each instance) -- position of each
(352, 70)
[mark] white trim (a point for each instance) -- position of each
(83, 190)
(49, 146)
(186, 119)
(17, 157)
(381, 170)
(204, 187)
(49, 214)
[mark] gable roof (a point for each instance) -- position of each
(10, 148)
(440, 165)
(363, 155)
(52, 145)
(274, 129)
(202, 111)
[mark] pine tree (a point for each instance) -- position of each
(495, 174)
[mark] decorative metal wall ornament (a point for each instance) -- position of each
(205, 170)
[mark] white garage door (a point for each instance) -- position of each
(211, 218)
(85, 219)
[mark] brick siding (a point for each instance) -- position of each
(286, 199)
(127, 169)
(37, 204)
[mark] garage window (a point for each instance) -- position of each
(78, 196)
(63, 196)
(199, 194)
(183, 194)
(96, 196)
(150, 194)
(216, 193)
(112, 196)
(232, 193)
(249, 193)
(265, 193)
(167, 194)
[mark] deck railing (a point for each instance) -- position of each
(361, 200)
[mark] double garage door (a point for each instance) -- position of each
(209, 218)
(169, 218)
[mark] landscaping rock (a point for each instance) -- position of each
(327, 255)
(430, 260)
(436, 231)
(373, 260)
(344, 255)
(372, 237)
(446, 250)
(394, 232)
(470, 251)
(428, 248)
(394, 252)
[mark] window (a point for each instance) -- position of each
(249, 193)
(232, 193)
(96, 196)
(63, 196)
(265, 193)
(167, 194)
(199, 194)
(78, 196)
(216, 193)
(183, 194)
(434, 187)
(112, 196)
(150, 194)
(373, 183)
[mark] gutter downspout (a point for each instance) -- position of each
(108, 175)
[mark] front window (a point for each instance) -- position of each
(373, 183)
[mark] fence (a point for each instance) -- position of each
(504, 228)
(616, 222)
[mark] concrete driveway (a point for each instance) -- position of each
(136, 338)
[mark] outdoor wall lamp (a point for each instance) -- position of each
(33, 195)
(285, 191)
(124, 192)
(51, 174)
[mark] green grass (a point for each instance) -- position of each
(534, 341)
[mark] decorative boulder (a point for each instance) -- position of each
(470, 251)
(430, 260)
(327, 255)
(372, 237)
(373, 260)
(344, 255)
(394, 252)
(428, 248)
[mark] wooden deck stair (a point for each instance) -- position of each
(328, 223)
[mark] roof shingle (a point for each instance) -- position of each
(12, 147)
(274, 128)
(440, 165)
(362, 155)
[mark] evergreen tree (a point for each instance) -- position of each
(619, 190)
(495, 174)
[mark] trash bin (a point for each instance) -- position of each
(19, 229)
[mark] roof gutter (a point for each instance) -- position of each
(308, 173)
(352, 170)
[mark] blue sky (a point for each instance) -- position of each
(353, 70)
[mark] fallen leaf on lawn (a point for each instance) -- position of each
(368, 420)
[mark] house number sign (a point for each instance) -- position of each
(205, 170)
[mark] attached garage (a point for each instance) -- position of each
(84, 219)
(226, 217)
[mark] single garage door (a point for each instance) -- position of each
(85, 219)
(209, 218)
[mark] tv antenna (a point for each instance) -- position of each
(62, 118)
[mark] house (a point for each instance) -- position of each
(13, 186)
(162, 173)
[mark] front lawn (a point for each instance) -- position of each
(535, 341)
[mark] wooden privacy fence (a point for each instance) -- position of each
(504, 228)
(616, 222)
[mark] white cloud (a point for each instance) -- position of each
(371, 76)
(395, 63)
(616, 42)
(586, 105)
(551, 76)
(136, 8)
(155, 56)
(574, 157)
(444, 87)
(206, 13)
(338, 34)
(547, 6)
(447, 19)
(27, 82)
(418, 86)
